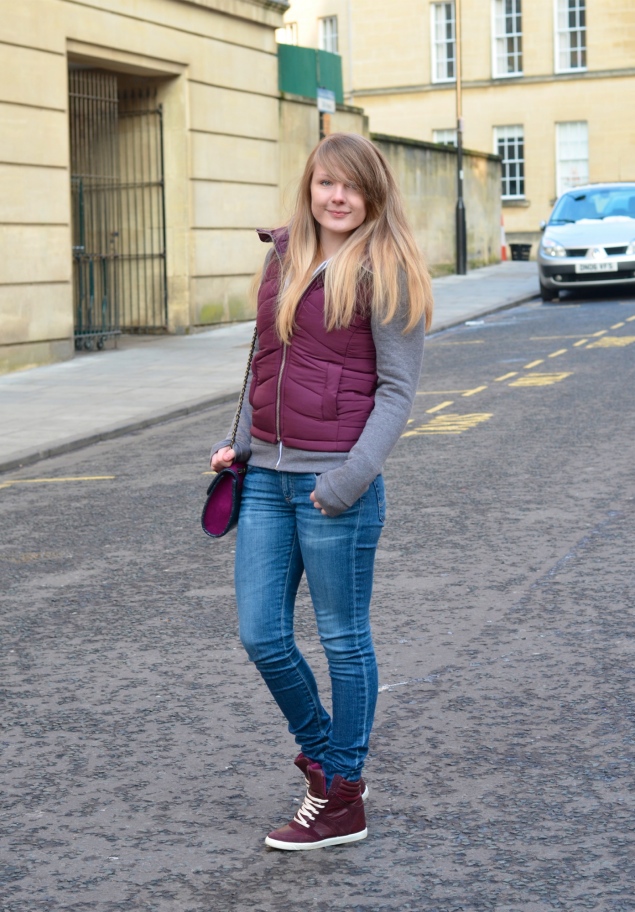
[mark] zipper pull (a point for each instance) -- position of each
(279, 455)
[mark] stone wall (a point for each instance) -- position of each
(427, 176)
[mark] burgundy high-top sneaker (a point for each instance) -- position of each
(302, 764)
(325, 818)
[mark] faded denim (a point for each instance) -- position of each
(280, 536)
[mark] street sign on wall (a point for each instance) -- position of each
(325, 101)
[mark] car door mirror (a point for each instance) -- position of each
(543, 225)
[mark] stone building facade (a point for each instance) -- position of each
(163, 228)
(141, 145)
(548, 84)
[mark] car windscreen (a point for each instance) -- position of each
(594, 204)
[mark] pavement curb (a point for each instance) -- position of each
(479, 312)
(30, 457)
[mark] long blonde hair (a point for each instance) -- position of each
(376, 253)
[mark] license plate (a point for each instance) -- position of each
(596, 267)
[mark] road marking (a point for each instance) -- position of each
(27, 557)
(534, 363)
(437, 408)
(602, 332)
(19, 481)
(618, 325)
(449, 424)
(473, 392)
(612, 342)
(560, 351)
(506, 376)
(630, 319)
(539, 379)
(581, 342)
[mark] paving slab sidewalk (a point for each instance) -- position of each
(50, 410)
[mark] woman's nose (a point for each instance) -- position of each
(338, 192)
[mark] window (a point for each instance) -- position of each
(570, 35)
(508, 38)
(448, 137)
(509, 143)
(328, 34)
(443, 42)
(572, 154)
(288, 34)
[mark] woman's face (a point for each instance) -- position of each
(338, 208)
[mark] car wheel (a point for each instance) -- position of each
(549, 294)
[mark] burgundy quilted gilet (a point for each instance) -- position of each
(317, 392)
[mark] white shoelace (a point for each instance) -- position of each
(311, 807)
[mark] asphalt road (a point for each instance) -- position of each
(143, 761)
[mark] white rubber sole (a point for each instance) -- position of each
(305, 846)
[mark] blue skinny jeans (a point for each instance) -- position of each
(280, 536)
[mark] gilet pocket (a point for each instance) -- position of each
(331, 388)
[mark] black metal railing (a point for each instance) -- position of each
(143, 244)
(118, 209)
(95, 205)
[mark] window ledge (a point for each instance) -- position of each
(571, 70)
(516, 203)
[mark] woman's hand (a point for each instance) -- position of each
(222, 458)
(317, 504)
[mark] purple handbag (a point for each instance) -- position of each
(220, 513)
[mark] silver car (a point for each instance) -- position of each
(589, 240)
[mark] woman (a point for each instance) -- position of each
(343, 301)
